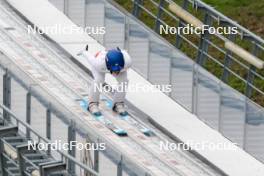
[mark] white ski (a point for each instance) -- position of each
(108, 123)
(128, 118)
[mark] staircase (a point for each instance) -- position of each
(18, 159)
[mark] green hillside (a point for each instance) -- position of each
(248, 13)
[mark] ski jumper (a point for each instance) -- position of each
(99, 69)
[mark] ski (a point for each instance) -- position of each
(146, 131)
(109, 124)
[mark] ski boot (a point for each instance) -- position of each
(94, 109)
(120, 109)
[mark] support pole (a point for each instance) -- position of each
(48, 126)
(227, 61)
(157, 22)
(250, 79)
(96, 160)
(66, 7)
(120, 167)
(72, 152)
(136, 8)
(178, 37)
(28, 113)
(203, 45)
(6, 95)
(2, 159)
(251, 75)
(86, 157)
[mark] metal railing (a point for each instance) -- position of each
(206, 45)
(233, 114)
(57, 110)
(64, 156)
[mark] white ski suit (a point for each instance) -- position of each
(99, 69)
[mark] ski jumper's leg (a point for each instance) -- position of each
(119, 96)
(99, 78)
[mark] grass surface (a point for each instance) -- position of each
(248, 13)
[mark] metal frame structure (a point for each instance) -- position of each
(70, 158)
(210, 16)
(242, 112)
(72, 130)
(72, 115)
(248, 114)
(58, 110)
(6, 94)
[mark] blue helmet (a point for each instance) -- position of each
(114, 60)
